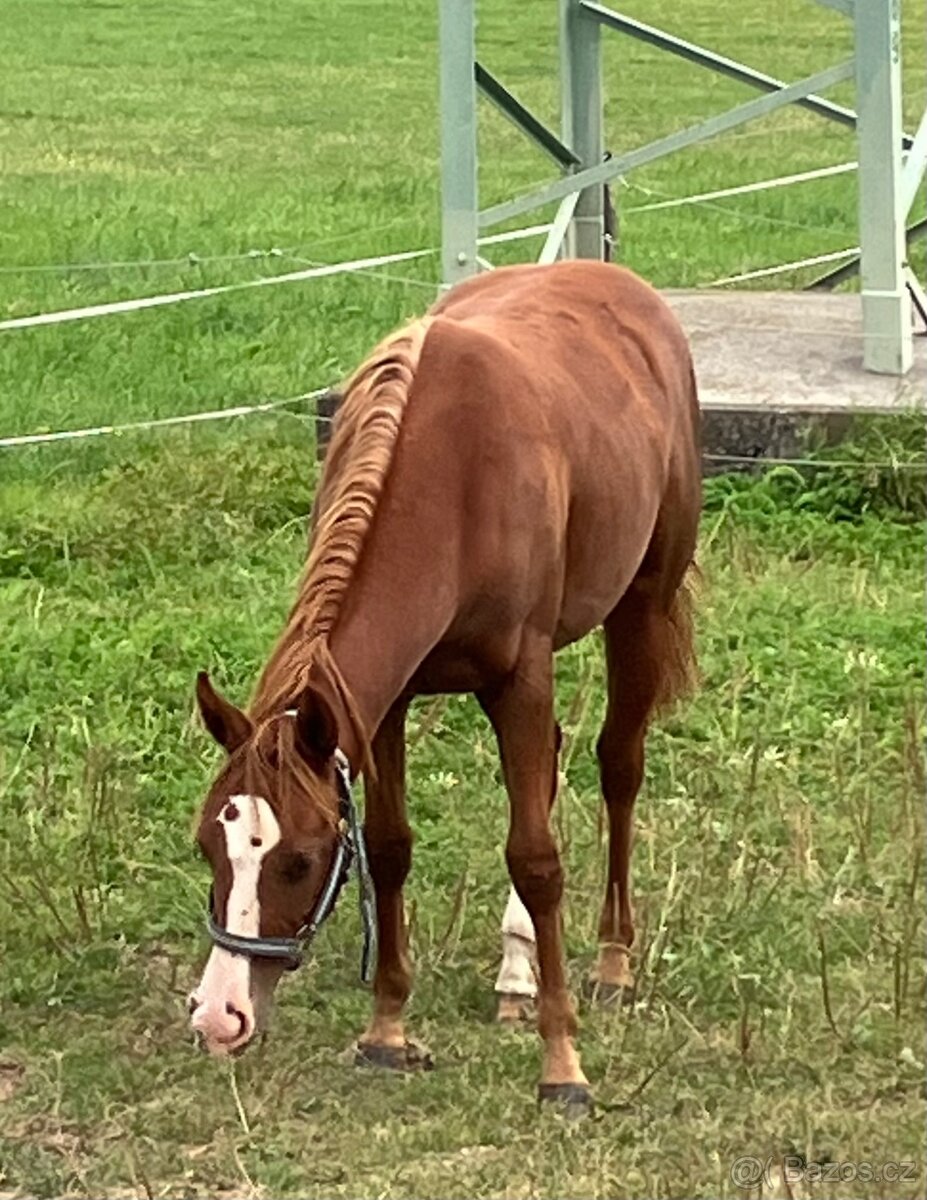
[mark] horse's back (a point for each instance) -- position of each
(576, 381)
(587, 351)
(576, 313)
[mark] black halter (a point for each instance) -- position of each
(350, 848)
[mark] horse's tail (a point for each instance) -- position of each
(679, 666)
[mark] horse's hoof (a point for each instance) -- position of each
(606, 995)
(611, 977)
(411, 1056)
(515, 1010)
(574, 1100)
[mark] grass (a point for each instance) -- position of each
(779, 863)
(782, 814)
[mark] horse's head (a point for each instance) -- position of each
(270, 831)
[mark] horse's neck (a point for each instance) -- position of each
(374, 649)
(382, 637)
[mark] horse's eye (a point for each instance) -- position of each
(295, 867)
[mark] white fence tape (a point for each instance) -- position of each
(142, 302)
(315, 272)
(217, 414)
(190, 259)
(781, 268)
(513, 235)
(744, 188)
(245, 410)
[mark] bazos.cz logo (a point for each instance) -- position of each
(751, 1171)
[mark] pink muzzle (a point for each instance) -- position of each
(221, 1008)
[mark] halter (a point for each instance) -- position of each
(350, 848)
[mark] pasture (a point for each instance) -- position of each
(779, 862)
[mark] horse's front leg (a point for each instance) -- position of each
(521, 710)
(389, 849)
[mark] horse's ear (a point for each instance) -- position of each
(227, 724)
(316, 726)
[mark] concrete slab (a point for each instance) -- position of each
(796, 352)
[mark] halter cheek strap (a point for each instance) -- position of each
(350, 848)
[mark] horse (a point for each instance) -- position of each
(516, 468)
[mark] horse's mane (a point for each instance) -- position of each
(357, 463)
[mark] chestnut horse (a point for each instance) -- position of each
(506, 474)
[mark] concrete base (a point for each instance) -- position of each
(740, 440)
(789, 352)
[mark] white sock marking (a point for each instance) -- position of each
(517, 974)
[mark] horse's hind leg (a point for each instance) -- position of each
(648, 650)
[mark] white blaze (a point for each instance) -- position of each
(251, 832)
(249, 837)
(517, 975)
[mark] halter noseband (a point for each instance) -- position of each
(350, 848)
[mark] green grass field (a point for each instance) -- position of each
(779, 862)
